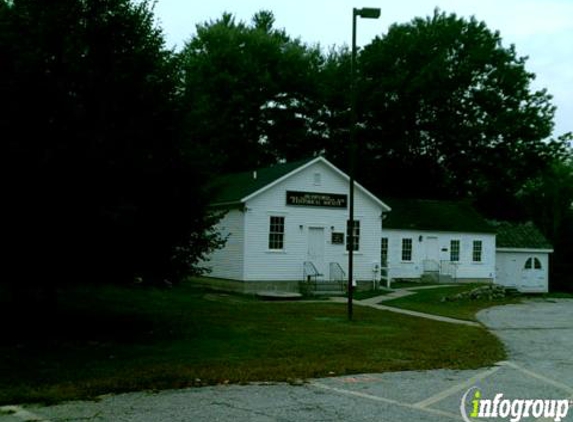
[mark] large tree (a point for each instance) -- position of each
(548, 201)
(448, 110)
(250, 93)
(97, 186)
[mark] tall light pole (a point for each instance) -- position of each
(367, 13)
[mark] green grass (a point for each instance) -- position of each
(405, 284)
(429, 301)
(111, 339)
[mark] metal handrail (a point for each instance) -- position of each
(336, 272)
(431, 265)
(309, 270)
(449, 268)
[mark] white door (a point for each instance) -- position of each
(432, 262)
(316, 248)
(533, 274)
(507, 270)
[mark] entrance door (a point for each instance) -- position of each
(507, 270)
(432, 262)
(316, 247)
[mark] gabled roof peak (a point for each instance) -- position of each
(234, 189)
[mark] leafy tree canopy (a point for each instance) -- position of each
(250, 93)
(449, 111)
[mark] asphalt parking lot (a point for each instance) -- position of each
(538, 335)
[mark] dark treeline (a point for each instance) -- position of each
(110, 138)
(101, 186)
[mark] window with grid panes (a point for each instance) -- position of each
(406, 249)
(355, 230)
(276, 233)
(477, 250)
(384, 251)
(454, 250)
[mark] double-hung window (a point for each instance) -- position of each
(276, 233)
(354, 231)
(384, 252)
(477, 250)
(454, 250)
(406, 249)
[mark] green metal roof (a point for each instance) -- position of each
(232, 188)
(519, 236)
(430, 215)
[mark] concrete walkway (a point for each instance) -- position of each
(396, 294)
(374, 302)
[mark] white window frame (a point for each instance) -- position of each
(384, 249)
(276, 239)
(477, 251)
(317, 179)
(355, 234)
(406, 240)
(457, 250)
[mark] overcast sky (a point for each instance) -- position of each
(540, 29)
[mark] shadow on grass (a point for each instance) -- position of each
(111, 339)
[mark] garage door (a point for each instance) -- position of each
(533, 276)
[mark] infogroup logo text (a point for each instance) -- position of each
(515, 409)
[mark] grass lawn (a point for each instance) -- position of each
(112, 339)
(405, 284)
(429, 300)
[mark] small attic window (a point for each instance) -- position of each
(317, 179)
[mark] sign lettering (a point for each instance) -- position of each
(315, 199)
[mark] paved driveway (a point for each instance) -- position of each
(538, 334)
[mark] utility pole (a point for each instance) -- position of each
(368, 13)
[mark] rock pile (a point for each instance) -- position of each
(489, 292)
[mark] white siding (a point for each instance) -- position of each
(510, 270)
(264, 264)
(228, 261)
(465, 268)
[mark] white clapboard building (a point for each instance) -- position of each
(446, 241)
(522, 257)
(290, 221)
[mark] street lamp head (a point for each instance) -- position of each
(368, 12)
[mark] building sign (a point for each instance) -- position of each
(315, 199)
(337, 238)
